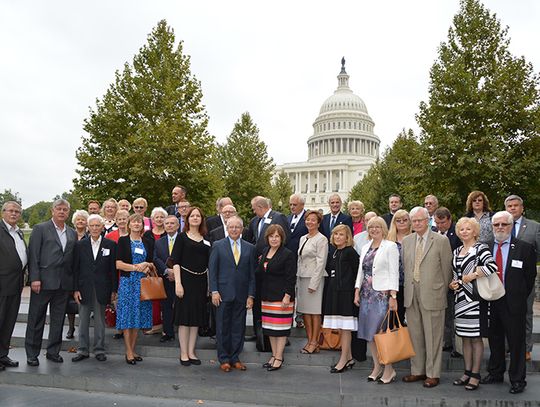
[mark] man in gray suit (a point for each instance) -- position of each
(427, 262)
(13, 255)
(529, 231)
(51, 280)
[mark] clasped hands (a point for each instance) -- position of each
(143, 267)
(216, 300)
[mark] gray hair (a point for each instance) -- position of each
(95, 216)
(418, 209)
(235, 217)
(513, 198)
(80, 213)
(12, 203)
(298, 197)
(157, 210)
(434, 199)
(335, 196)
(503, 214)
(60, 202)
(262, 202)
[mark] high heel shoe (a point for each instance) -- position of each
(272, 368)
(346, 366)
(130, 361)
(70, 333)
(392, 379)
(377, 377)
(471, 386)
(350, 363)
(138, 358)
(460, 381)
(269, 364)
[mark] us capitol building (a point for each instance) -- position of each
(341, 150)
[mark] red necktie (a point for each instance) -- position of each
(499, 261)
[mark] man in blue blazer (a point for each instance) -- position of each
(163, 262)
(231, 268)
(51, 280)
(335, 217)
(297, 224)
(95, 285)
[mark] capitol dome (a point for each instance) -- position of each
(343, 125)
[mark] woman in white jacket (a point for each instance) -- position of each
(312, 253)
(376, 291)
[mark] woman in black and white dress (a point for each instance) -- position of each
(471, 261)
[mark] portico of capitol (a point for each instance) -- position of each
(341, 150)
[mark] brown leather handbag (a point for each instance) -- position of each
(152, 287)
(330, 339)
(395, 344)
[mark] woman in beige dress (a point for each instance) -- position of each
(312, 253)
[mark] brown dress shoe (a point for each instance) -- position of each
(239, 365)
(414, 378)
(226, 367)
(431, 382)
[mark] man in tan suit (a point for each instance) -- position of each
(427, 261)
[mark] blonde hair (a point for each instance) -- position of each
(356, 203)
(472, 222)
(378, 221)
(348, 234)
(392, 233)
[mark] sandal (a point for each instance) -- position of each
(272, 367)
(460, 381)
(269, 364)
(472, 386)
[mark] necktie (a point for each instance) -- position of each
(332, 222)
(418, 258)
(514, 229)
(236, 253)
(171, 245)
(499, 260)
(261, 223)
(293, 223)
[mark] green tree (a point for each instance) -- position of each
(396, 172)
(8, 195)
(246, 166)
(37, 213)
(480, 125)
(280, 192)
(148, 132)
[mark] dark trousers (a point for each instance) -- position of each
(449, 330)
(9, 309)
(230, 330)
(503, 324)
(36, 321)
(167, 308)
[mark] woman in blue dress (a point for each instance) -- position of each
(376, 288)
(134, 262)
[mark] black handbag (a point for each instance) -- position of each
(262, 341)
(209, 329)
(72, 307)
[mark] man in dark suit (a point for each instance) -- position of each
(296, 222)
(529, 231)
(215, 221)
(445, 227)
(95, 285)
(394, 204)
(516, 264)
(51, 279)
(335, 217)
(162, 260)
(231, 268)
(14, 257)
(220, 232)
(178, 195)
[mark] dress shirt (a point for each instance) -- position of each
(95, 245)
(517, 226)
(238, 245)
(17, 236)
(505, 248)
(261, 222)
(295, 219)
(62, 235)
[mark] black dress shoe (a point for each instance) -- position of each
(517, 388)
(166, 338)
(185, 362)
(130, 361)
(490, 379)
(7, 362)
(32, 362)
(54, 358)
(101, 357)
(195, 362)
(79, 357)
(455, 354)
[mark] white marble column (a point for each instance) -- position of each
(318, 181)
(308, 182)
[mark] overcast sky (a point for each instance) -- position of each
(278, 60)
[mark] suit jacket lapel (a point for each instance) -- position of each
(52, 227)
(511, 251)
(429, 243)
(522, 228)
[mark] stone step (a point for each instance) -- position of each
(293, 385)
(149, 345)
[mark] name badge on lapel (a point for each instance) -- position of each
(517, 264)
(268, 221)
(105, 252)
(138, 250)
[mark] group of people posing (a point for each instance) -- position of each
(338, 271)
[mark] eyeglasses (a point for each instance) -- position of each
(138, 207)
(501, 225)
(478, 200)
(402, 220)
